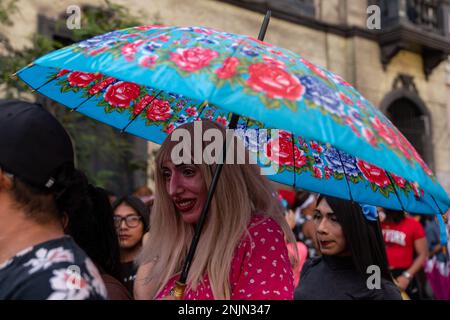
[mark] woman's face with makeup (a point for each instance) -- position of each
(330, 235)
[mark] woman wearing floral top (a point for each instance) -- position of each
(241, 253)
(38, 187)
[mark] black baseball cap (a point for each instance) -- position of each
(33, 144)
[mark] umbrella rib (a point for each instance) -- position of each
(45, 83)
(345, 175)
(76, 108)
(14, 75)
(435, 202)
(293, 156)
(202, 108)
(139, 113)
(395, 190)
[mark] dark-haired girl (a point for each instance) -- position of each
(131, 218)
(353, 264)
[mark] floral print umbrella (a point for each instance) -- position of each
(148, 80)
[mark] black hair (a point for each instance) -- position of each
(363, 237)
(89, 213)
(300, 197)
(90, 220)
(395, 216)
(138, 205)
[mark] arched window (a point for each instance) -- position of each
(411, 116)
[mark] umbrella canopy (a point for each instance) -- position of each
(147, 80)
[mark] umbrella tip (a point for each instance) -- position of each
(33, 90)
(14, 76)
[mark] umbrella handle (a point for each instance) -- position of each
(178, 292)
(265, 24)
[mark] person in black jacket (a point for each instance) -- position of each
(353, 264)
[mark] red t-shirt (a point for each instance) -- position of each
(399, 239)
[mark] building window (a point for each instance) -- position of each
(409, 119)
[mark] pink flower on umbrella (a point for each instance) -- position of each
(349, 121)
(282, 152)
(169, 129)
(159, 110)
(422, 163)
(222, 120)
(277, 53)
(101, 85)
(274, 82)
(369, 136)
(328, 172)
(130, 35)
(314, 68)
(191, 111)
(122, 93)
(399, 180)
(383, 130)
(274, 62)
(97, 51)
(148, 61)
(315, 146)
(82, 79)
(403, 145)
(346, 99)
(62, 72)
(149, 27)
(228, 68)
(416, 188)
(163, 38)
(317, 173)
(131, 48)
(338, 79)
(373, 173)
(145, 100)
(193, 59)
(203, 30)
(286, 135)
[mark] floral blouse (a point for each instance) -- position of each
(260, 268)
(54, 270)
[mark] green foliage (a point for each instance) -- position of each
(7, 7)
(100, 149)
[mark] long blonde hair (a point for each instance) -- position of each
(241, 192)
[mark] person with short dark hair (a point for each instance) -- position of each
(39, 185)
(407, 250)
(352, 248)
(131, 218)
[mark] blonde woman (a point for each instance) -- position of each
(241, 253)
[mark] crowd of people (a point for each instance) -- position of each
(63, 238)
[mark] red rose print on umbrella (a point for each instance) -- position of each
(282, 152)
(159, 110)
(373, 173)
(121, 94)
(274, 82)
(82, 79)
(228, 68)
(193, 59)
(399, 180)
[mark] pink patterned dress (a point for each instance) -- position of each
(260, 267)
